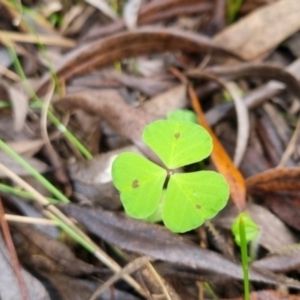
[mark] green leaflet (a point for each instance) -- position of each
(140, 183)
(192, 198)
(176, 143)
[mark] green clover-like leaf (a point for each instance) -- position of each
(192, 198)
(140, 183)
(176, 143)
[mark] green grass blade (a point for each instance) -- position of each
(33, 172)
(51, 116)
(74, 235)
(22, 194)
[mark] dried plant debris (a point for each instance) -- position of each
(80, 81)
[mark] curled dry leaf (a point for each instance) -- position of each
(155, 241)
(258, 33)
(141, 41)
(243, 130)
(272, 180)
(255, 97)
(152, 12)
(257, 70)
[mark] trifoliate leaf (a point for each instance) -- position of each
(192, 198)
(251, 228)
(140, 183)
(176, 143)
(183, 115)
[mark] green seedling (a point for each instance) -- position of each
(190, 198)
(251, 229)
(183, 115)
(233, 7)
(245, 230)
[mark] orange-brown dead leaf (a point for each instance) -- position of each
(221, 160)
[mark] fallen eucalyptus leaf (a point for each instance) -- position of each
(157, 242)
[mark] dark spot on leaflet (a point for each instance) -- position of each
(177, 135)
(135, 184)
(198, 206)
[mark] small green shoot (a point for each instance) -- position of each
(245, 230)
(191, 198)
(183, 115)
(251, 228)
(233, 7)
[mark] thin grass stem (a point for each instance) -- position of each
(245, 260)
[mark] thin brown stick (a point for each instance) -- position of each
(130, 268)
(13, 254)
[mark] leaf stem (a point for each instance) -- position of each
(245, 260)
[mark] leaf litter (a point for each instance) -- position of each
(112, 83)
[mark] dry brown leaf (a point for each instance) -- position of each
(9, 287)
(272, 180)
(27, 147)
(151, 87)
(286, 205)
(157, 242)
(39, 251)
(261, 31)
(166, 102)
(284, 261)
(133, 43)
(152, 12)
(67, 287)
(19, 102)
